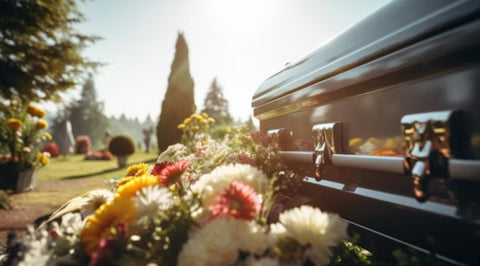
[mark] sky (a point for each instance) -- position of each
(241, 43)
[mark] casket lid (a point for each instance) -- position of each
(395, 26)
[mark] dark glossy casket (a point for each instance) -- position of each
(383, 125)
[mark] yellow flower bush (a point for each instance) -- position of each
(195, 128)
(22, 135)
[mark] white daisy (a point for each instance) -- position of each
(95, 199)
(153, 200)
(309, 225)
(71, 223)
(218, 242)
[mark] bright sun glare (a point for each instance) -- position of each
(239, 15)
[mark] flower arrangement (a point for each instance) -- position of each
(205, 207)
(22, 131)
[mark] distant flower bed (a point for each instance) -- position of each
(202, 203)
(99, 155)
(52, 148)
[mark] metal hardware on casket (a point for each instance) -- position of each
(279, 137)
(327, 141)
(428, 138)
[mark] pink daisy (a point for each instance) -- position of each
(158, 167)
(239, 200)
(171, 173)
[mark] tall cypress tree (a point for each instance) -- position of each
(215, 104)
(179, 98)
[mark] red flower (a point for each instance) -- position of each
(158, 168)
(239, 200)
(244, 159)
(172, 173)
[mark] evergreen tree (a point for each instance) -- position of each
(87, 116)
(179, 102)
(215, 104)
(40, 49)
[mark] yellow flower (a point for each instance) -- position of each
(129, 189)
(47, 135)
(187, 120)
(13, 103)
(124, 180)
(14, 124)
(195, 128)
(42, 158)
(42, 124)
(181, 126)
(211, 120)
(103, 223)
(228, 130)
(204, 121)
(35, 111)
(137, 169)
(197, 116)
(204, 114)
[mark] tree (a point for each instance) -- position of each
(87, 116)
(179, 97)
(215, 104)
(40, 52)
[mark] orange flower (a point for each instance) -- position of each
(42, 124)
(14, 124)
(104, 222)
(35, 111)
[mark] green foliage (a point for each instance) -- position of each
(349, 253)
(179, 98)
(121, 146)
(4, 201)
(86, 115)
(215, 104)
(40, 51)
(218, 132)
(130, 126)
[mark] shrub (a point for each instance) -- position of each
(82, 144)
(121, 146)
(51, 148)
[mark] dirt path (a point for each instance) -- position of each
(46, 197)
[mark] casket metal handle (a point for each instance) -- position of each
(435, 145)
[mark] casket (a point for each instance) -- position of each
(382, 125)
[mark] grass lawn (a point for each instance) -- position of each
(65, 178)
(75, 167)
